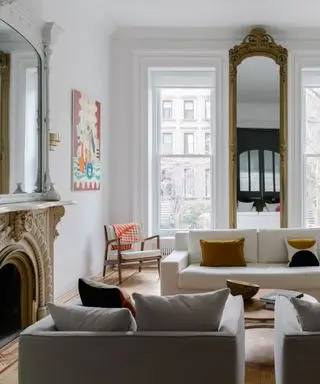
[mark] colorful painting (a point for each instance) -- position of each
(86, 160)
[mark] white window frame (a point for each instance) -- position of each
(305, 155)
(296, 144)
(156, 154)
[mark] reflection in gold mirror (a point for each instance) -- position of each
(258, 132)
(258, 146)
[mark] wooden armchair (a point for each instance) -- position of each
(125, 244)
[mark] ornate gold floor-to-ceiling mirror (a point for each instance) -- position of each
(258, 132)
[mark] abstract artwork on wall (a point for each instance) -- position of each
(86, 128)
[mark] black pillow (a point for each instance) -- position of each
(304, 258)
(95, 294)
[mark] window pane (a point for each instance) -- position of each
(312, 122)
(244, 171)
(188, 110)
(208, 183)
(312, 192)
(183, 204)
(207, 143)
(268, 171)
(189, 183)
(188, 143)
(166, 144)
(167, 109)
(254, 171)
(207, 110)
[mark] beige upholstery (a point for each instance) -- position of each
(132, 254)
(265, 253)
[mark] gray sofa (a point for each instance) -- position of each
(297, 353)
(47, 356)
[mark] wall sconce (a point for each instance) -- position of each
(54, 140)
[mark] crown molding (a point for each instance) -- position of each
(50, 33)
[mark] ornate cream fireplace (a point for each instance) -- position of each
(27, 235)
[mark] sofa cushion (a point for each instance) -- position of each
(73, 318)
(97, 294)
(250, 242)
(302, 252)
(308, 314)
(272, 245)
(186, 312)
(222, 253)
(277, 276)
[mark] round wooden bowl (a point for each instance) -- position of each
(246, 290)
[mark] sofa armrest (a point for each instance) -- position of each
(296, 352)
(232, 322)
(170, 268)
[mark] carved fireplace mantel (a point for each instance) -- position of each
(27, 235)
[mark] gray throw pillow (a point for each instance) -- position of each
(183, 312)
(78, 318)
(308, 314)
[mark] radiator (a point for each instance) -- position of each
(166, 246)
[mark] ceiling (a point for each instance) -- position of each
(211, 13)
(258, 81)
(188, 13)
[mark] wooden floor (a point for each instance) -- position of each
(146, 282)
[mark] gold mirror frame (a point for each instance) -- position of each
(257, 43)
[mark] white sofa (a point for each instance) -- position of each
(265, 254)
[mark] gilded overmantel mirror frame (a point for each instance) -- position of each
(257, 43)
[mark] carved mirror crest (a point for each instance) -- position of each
(258, 132)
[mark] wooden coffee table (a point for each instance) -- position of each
(255, 314)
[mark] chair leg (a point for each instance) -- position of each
(104, 270)
(159, 260)
(120, 273)
(140, 266)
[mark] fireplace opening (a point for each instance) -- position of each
(10, 304)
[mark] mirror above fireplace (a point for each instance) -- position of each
(20, 114)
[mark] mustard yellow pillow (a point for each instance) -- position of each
(223, 253)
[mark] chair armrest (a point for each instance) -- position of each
(170, 268)
(151, 238)
(117, 240)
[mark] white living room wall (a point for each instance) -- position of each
(130, 46)
(80, 60)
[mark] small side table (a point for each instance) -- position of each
(255, 314)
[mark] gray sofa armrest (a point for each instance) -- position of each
(51, 357)
(170, 268)
(296, 352)
(232, 322)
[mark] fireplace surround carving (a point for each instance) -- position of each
(27, 241)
